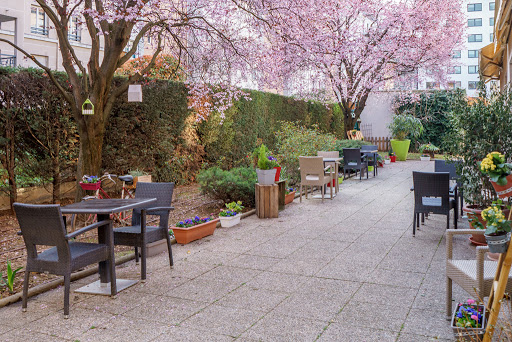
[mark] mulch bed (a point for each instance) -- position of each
(188, 202)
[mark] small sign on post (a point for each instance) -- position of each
(87, 108)
(134, 93)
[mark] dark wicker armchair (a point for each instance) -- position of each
(432, 195)
(354, 162)
(371, 158)
(138, 235)
(43, 225)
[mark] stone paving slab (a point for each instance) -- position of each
(347, 269)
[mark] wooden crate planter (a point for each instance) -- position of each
(267, 201)
(143, 179)
(186, 235)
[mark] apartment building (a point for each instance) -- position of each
(25, 24)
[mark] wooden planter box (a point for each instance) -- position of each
(144, 179)
(186, 235)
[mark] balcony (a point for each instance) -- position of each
(43, 31)
(7, 60)
(74, 37)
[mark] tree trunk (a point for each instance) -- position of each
(56, 168)
(9, 159)
(348, 121)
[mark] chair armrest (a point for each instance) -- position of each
(327, 167)
(158, 209)
(87, 228)
(464, 231)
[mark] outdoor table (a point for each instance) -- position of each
(330, 160)
(104, 208)
(369, 152)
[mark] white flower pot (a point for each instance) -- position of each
(387, 161)
(266, 177)
(425, 158)
(229, 221)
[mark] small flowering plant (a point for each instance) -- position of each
(90, 179)
(497, 224)
(494, 165)
(289, 190)
(469, 315)
(193, 222)
(265, 160)
(232, 209)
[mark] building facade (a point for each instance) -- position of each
(25, 24)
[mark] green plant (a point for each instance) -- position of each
(494, 165)
(428, 148)
(11, 274)
(404, 125)
(341, 144)
(235, 184)
(480, 126)
(233, 209)
(469, 315)
(294, 140)
(137, 173)
(265, 161)
(495, 220)
(90, 179)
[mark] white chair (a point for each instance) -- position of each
(313, 173)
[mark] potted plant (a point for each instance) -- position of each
(402, 126)
(138, 176)
(90, 183)
(497, 227)
(289, 195)
(428, 150)
(193, 229)
(425, 157)
(494, 165)
(468, 321)
(392, 156)
(267, 167)
(387, 160)
(230, 216)
(478, 127)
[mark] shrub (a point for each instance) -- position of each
(341, 144)
(294, 140)
(234, 185)
(404, 125)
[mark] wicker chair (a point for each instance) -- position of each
(474, 276)
(371, 158)
(451, 167)
(432, 195)
(138, 235)
(352, 160)
(43, 225)
(335, 166)
(313, 173)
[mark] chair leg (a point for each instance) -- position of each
(300, 193)
(136, 255)
(448, 220)
(143, 246)
(168, 238)
(113, 284)
(414, 225)
(332, 183)
(322, 189)
(422, 218)
(67, 284)
(418, 220)
(25, 291)
(455, 216)
(448, 298)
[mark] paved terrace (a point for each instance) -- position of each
(345, 270)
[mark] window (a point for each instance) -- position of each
(472, 69)
(472, 38)
(472, 84)
(41, 59)
(491, 21)
(475, 22)
(472, 53)
(491, 6)
(454, 84)
(74, 31)
(456, 54)
(474, 7)
(454, 70)
(491, 37)
(38, 21)
(432, 85)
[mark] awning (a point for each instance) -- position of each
(491, 61)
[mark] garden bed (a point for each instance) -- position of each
(187, 201)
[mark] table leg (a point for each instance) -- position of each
(104, 237)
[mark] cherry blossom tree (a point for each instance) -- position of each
(352, 47)
(198, 34)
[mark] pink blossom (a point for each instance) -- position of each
(471, 301)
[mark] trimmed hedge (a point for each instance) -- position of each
(234, 185)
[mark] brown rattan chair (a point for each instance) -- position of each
(432, 195)
(43, 225)
(335, 166)
(313, 173)
(474, 276)
(138, 235)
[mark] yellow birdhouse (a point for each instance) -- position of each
(87, 108)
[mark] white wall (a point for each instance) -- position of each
(378, 112)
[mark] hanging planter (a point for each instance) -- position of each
(503, 191)
(134, 93)
(87, 108)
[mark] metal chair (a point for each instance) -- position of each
(451, 167)
(474, 276)
(43, 225)
(335, 166)
(138, 235)
(432, 195)
(313, 173)
(371, 158)
(352, 160)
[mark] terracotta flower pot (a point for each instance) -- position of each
(503, 191)
(186, 235)
(473, 211)
(289, 197)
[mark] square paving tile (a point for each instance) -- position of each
(254, 298)
(435, 326)
(357, 313)
(318, 306)
(182, 334)
(343, 332)
(383, 294)
(287, 283)
(126, 300)
(254, 262)
(205, 290)
(233, 275)
(397, 278)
